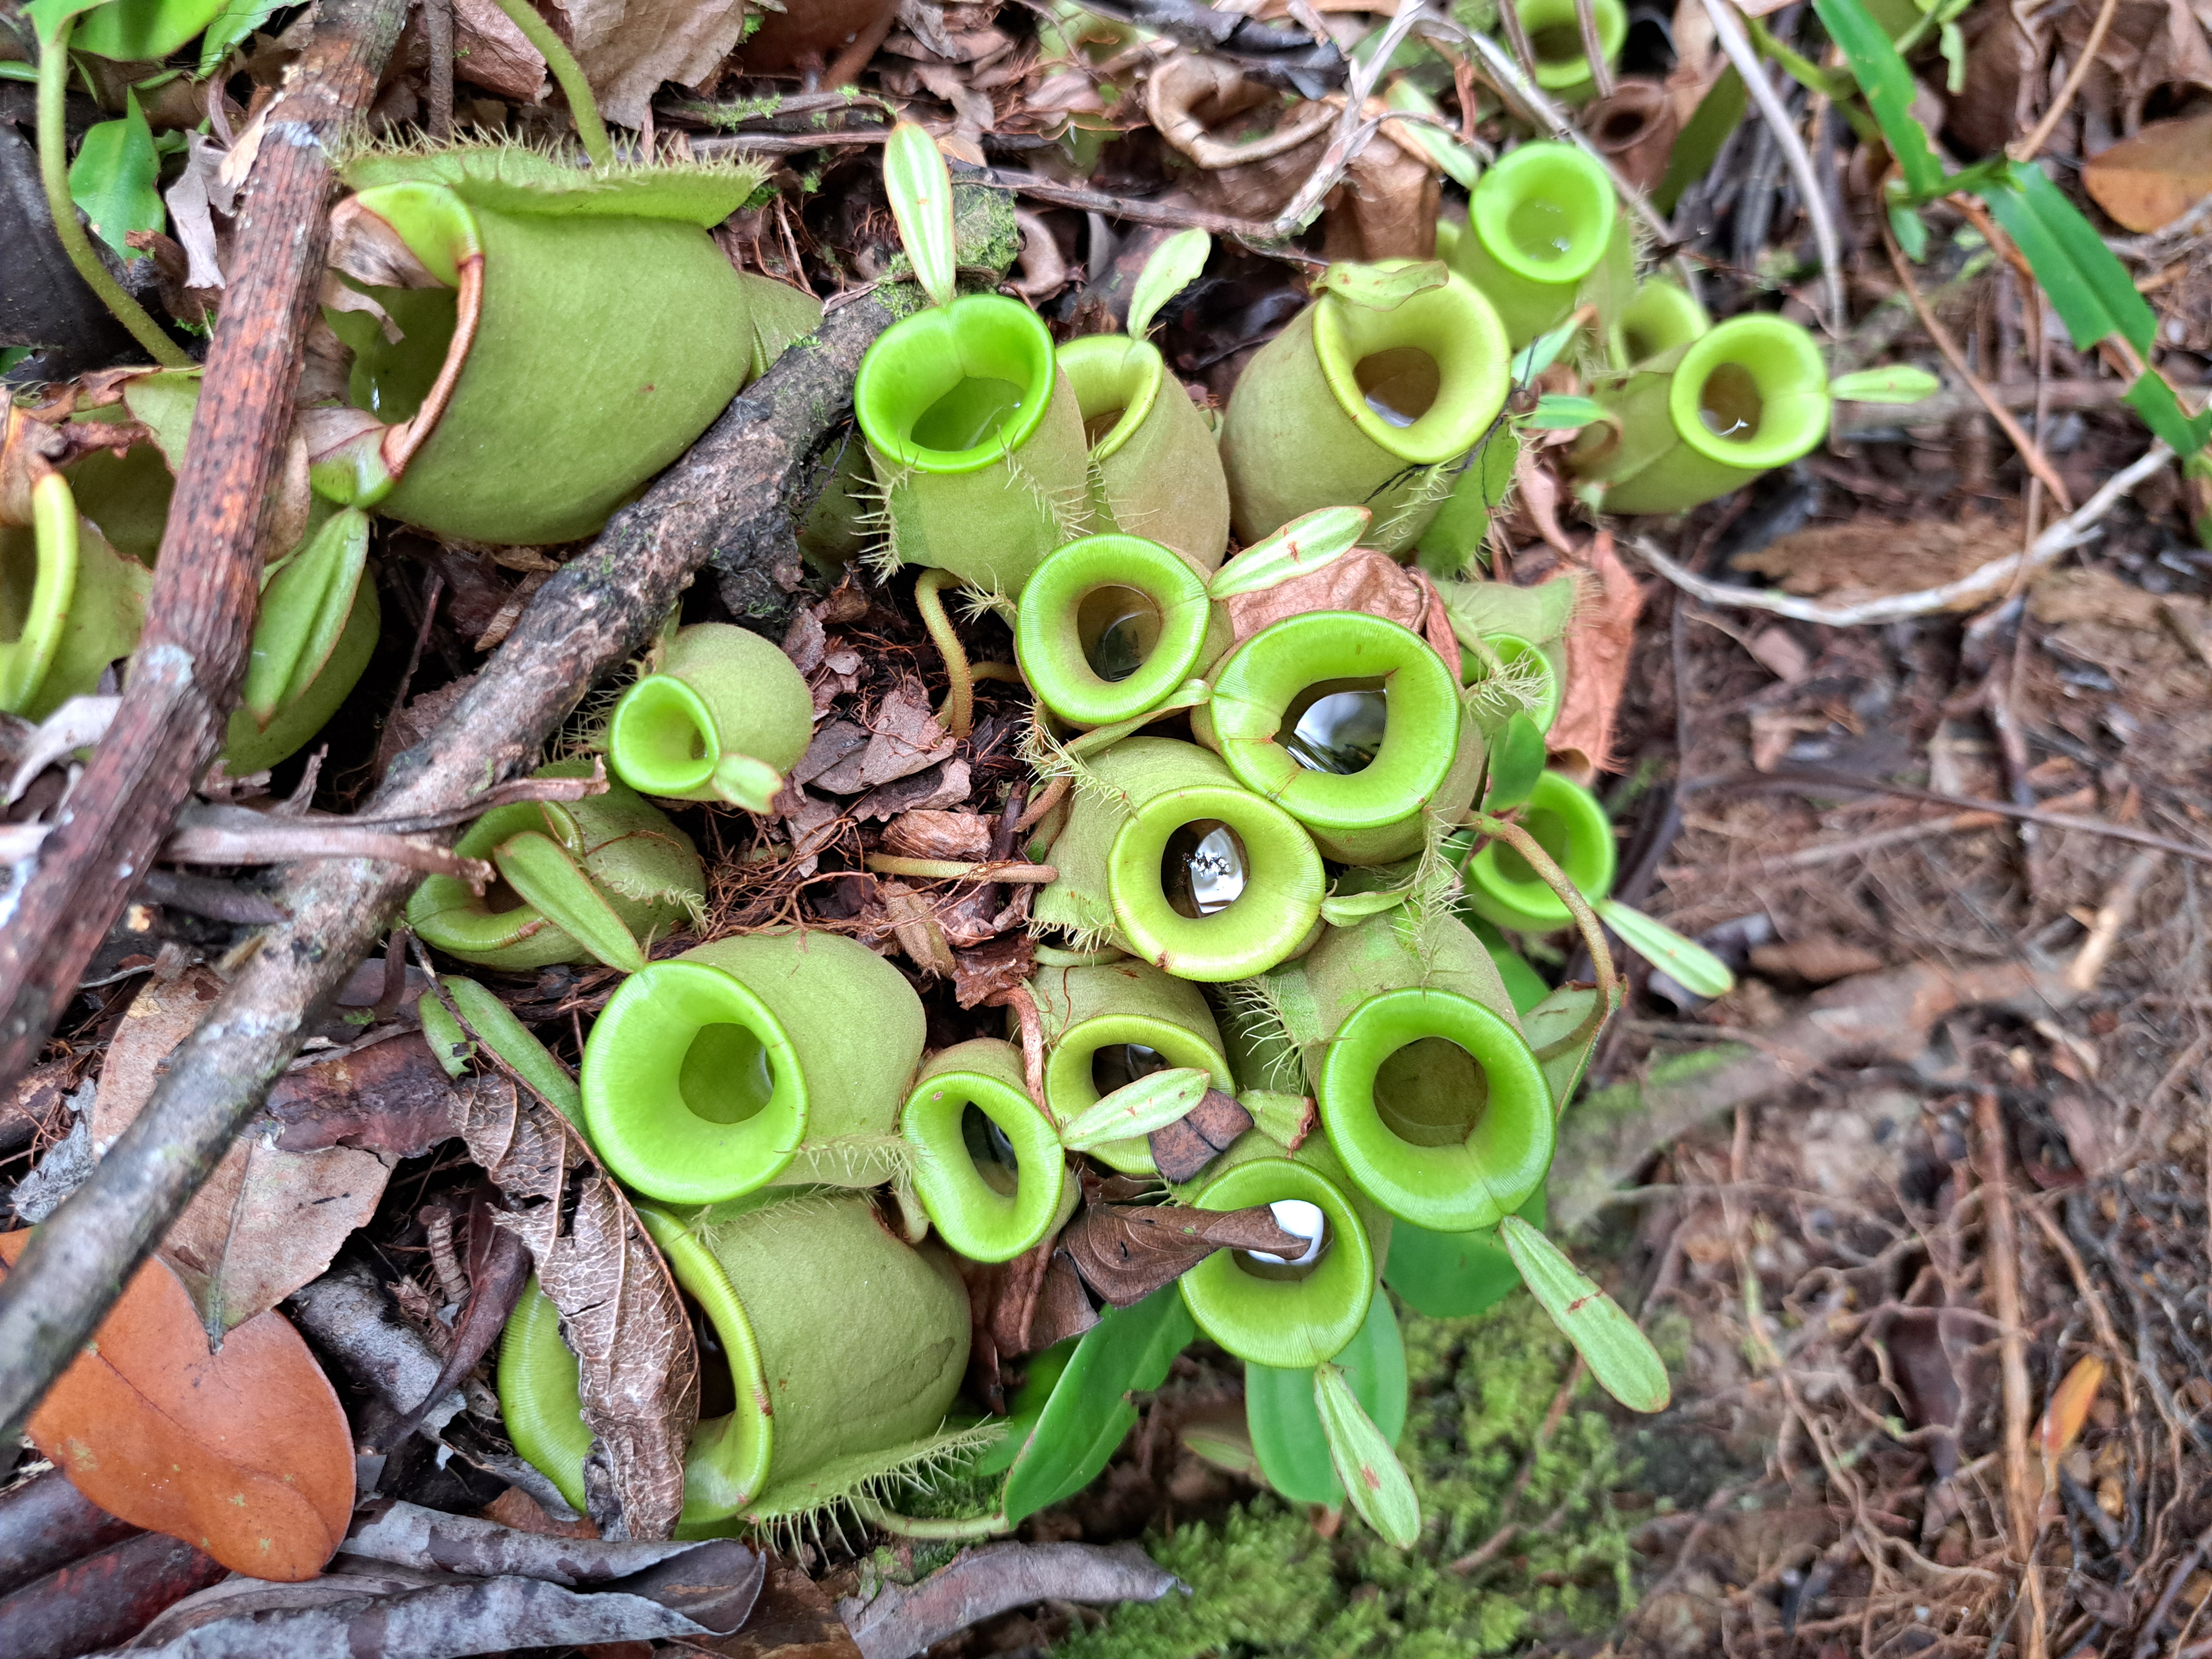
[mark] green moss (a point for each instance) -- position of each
(985, 235)
(1266, 1585)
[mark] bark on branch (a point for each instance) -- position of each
(727, 500)
(185, 675)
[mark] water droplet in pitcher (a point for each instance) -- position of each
(1542, 229)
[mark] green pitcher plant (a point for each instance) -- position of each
(1660, 317)
(594, 880)
(1366, 400)
(975, 436)
(1704, 418)
(1555, 40)
(841, 1349)
(1155, 466)
(1167, 856)
(1288, 1438)
(1349, 722)
(1539, 224)
(1110, 627)
(987, 1165)
(1513, 654)
(720, 716)
(530, 343)
(1107, 1026)
(779, 1056)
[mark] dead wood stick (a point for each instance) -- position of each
(2002, 1246)
(185, 675)
(903, 1620)
(728, 499)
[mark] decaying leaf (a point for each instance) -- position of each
(1184, 1147)
(159, 1017)
(934, 835)
(491, 52)
(628, 47)
(244, 1454)
(403, 1534)
(103, 1598)
(1600, 641)
(1359, 579)
(498, 1269)
(391, 1096)
(1126, 1251)
(2148, 181)
(794, 1618)
(902, 738)
(620, 1310)
(992, 968)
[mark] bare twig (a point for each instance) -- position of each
(2112, 917)
(904, 1619)
(2002, 1252)
(1593, 48)
(1977, 586)
(200, 614)
(1728, 28)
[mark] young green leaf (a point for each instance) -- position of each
(555, 885)
(920, 186)
(1451, 156)
(1563, 414)
(447, 1041)
(1173, 266)
(1517, 762)
(1541, 352)
(1285, 1428)
(516, 1046)
(1366, 1464)
(1685, 962)
(2152, 398)
(134, 31)
(1900, 384)
(1379, 289)
(303, 611)
(1619, 1355)
(1298, 548)
(114, 179)
(234, 23)
(1150, 1103)
(1910, 229)
(1881, 74)
(2089, 287)
(1342, 909)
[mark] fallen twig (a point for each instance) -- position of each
(200, 614)
(904, 1619)
(725, 500)
(1977, 586)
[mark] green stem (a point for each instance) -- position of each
(1837, 86)
(958, 714)
(908, 1526)
(997, 671)
(53, 171)
(1586, 923)
(583, 108)
(891, 864)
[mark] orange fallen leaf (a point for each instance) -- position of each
(2148, 181)
(2069, 1407)
(244, 1454)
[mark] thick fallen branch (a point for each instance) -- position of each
(185, 675)
(726, 500)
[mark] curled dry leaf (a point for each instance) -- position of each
(498, 1269)
(408, 1535)
(1361, 579)
(1126, 1251)
(491, 52)
(1600, 641)
(244, 1454)
(933, 835)
(620, 1310)
(1195, 1139)
(2148, 181)
(626, 48)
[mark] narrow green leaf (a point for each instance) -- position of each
(2090, 289)
(1366, 1464)
(1285, 1426)
(1541, 352)
(553, 884)
(2151, 398)
(1563, 414)
(920, 186)
(1619, 1355)
(1516, 763)
(1718, 114)
(517, 1047)
(1175, 265)
(1685, 962)
(1900, 384)
(303, 611)
(1887, 84)
(1455, 159)
(1380, 289)
(1298, 548)
(1910, 229)
(1150, 1103)
(447, 1041)
(234, 23)
(114, 176)
(1342, 909)
(134, 31)
(1559, 1016)
(12, 70)
(48, 15)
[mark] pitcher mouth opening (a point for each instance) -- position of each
(988, 1171)
(1751, 393)
(1115, 381)
(1545, 212)
(662, 738)
(1110, 626)
(955, 388)
(1275, 874)
(1294, 1317)
(1566, 821)
(1423, 381)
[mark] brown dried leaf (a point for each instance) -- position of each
(909, 917)
(2069, 1407)
(834, 743)
(1600, 643)
(1819, 959)
(1362, 580)
(391, 1096)
(491, 52)
(268, 1222)
(159, 1017)
(498, 1268)
(903, 738)
(2148, 181)
(1125, 1252)
(620, 1310)
(794, 1618)
(628, 47)
(1201, 1134)
(992, 968)
(518, 1509)
(244, 1453)
(935, 787)
(932, 835)
(1865, 558)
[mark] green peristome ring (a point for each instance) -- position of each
(1654, 453)
(1082, 1010)
(1301, 435)
(1293, 1323)
(1109, 859)
(1051, 624)
(721, 690)
(970, 1206)
(69, 604)
(976, 439)
(1539, 222)
(1568, 823)
(776, 1055)
(1564, 70)
(1424, 730)
(822, 1403)
(578, 336)
(1660, 317)
(1156, 471)
(646, 869)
